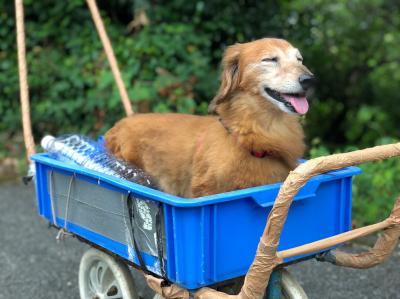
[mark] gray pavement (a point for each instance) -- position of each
(33, 265)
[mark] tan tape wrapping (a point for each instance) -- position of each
(332, 241)
(260, 271)
(382, 249)
(208, 293)
(264, 262)
(171, 292)
(176, 292)
(266, 257)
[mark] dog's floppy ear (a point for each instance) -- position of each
(229, 77)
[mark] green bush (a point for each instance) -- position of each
(166, 67)
(353, 47)
(172, 64)
(375, 190)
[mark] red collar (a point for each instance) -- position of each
(257, 154)
(261, 154)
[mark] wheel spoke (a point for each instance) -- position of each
(94, 279)
(100, 276)
(91, 294)
(107, 280)
(92, 289)
(102, 269)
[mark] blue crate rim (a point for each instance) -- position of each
(176, 200)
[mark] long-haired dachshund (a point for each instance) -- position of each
(255, 137)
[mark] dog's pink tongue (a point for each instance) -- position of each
(300, 104)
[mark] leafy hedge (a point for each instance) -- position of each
(173, 64)
(71, 86)
(376, 189)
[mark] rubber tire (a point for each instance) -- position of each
(291, 289)
(119, 270)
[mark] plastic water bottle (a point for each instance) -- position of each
(93, 155)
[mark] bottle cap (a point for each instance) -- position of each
(47, 141)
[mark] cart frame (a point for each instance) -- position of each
(267, 257)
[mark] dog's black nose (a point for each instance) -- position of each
(307, 81)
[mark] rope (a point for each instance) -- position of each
(110, 56)
(64, 230)
(53, 207)
(67, 203)
(23, 74)
(23, 81)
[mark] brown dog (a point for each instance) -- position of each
(255, 138)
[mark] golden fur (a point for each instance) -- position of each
(194, 156)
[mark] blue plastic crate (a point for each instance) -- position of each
(213, 238)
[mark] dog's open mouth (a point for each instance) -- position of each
(296, 102)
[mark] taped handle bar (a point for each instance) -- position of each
(376, 255)
(267, 257)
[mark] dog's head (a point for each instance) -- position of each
(271, 68)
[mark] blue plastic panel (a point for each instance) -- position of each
(214, 238)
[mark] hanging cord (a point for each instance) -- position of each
(23, 75)
(64, 230)
(53, 207)
(23, 82)
(110, 56)
(72, 180)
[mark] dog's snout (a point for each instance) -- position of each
(307, 81)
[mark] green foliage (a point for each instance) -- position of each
(353, 48)
(166, 67)
(173, 64)
(375, 190)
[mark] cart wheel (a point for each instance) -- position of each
(103, 277)
(291, 289)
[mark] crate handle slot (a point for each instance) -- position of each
(266, 198)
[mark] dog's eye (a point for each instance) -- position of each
(300, 59)
(270, 59)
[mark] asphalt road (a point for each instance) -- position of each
(34, 265)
